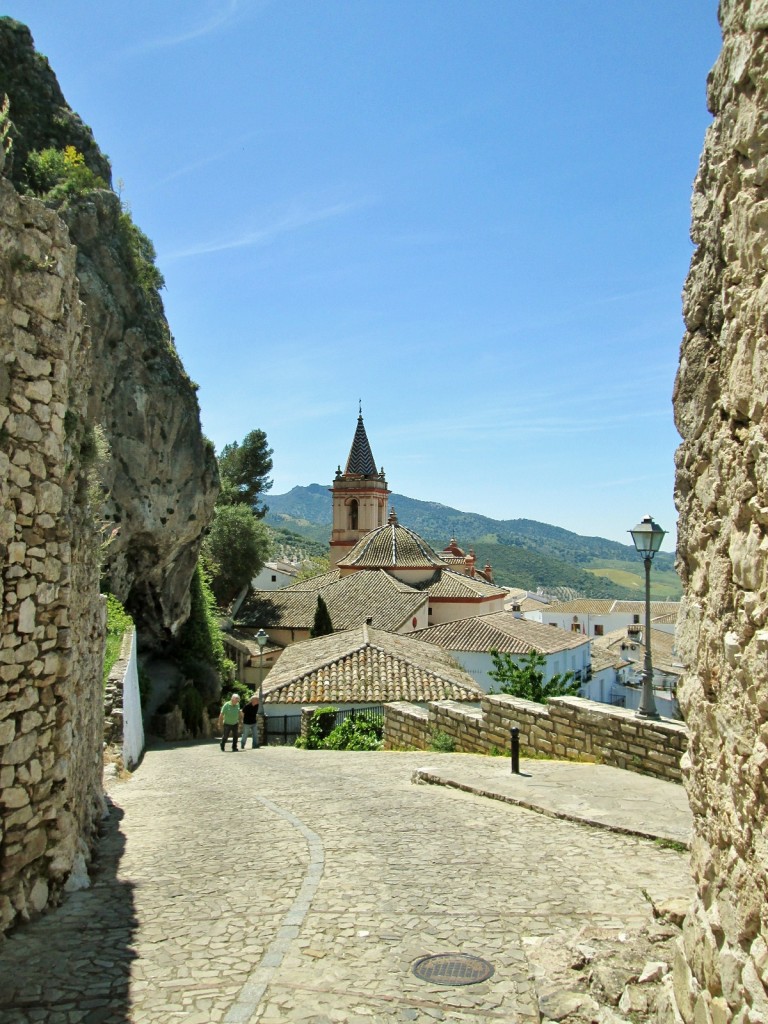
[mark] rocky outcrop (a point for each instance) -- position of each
(51, 616)
(160, 482)
(721, 407)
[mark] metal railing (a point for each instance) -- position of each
(375, 713)
(281, 730)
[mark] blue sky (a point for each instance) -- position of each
(472, 215)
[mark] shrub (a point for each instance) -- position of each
(355, 733)
(441, 742)
(141, 255)
(191, 704)
(321, 724)
(60, 173)
(118, 624)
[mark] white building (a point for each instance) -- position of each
(275, 576)
(471, 639)
(594, 617)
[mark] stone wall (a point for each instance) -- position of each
(721, 408)
(51, 618)
(569, 728)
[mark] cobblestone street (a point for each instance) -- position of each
(289, 885)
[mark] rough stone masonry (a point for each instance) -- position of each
(721, 407)
(51, 618)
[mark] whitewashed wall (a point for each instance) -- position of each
(133, 725)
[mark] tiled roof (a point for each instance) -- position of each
(244, 641)
(449, 583)
(638, 607)
(602, 658)
(360, 461)
(586, 606)
(668, 619)
(500, 631)
(366, 665)
(350, 599)
(391, 546)
(594, 606)
(663, 650)
(315, 583)
(374, 594)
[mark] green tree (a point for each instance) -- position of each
(238, 545)
(244, 470)
(322, 626)
(314, 567)
(526, 679)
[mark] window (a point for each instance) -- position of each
(274, 579)
(598, 630)
(636, 619)
(353, 514)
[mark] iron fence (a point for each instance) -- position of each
(282, 730)
(375, 714)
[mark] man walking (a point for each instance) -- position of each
(250, 723)
(229, 719)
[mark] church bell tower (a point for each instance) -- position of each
(359, 496)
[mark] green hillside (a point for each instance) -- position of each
(523, 552)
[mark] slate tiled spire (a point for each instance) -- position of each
(360, 460)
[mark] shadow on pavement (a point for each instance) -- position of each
(78, 956)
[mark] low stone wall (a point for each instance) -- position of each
(569, 728)
(123, 724)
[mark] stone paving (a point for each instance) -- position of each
(289, 885)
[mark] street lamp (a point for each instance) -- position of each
(261, 639)
(647, 536)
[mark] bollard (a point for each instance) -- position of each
(515, 733)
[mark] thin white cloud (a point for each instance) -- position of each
(222, 16)
(295, 220)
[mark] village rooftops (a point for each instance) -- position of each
(351, 599)
(663, 649)
(500, 631)
(447, 584)
(367, 666)
(608, 606)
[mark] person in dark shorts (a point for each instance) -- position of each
(250, 723)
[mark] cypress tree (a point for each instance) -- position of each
(322, 625)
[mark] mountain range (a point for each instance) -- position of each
(523, 553)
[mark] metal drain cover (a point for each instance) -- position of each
(452, 969)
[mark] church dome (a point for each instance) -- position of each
(392, 547)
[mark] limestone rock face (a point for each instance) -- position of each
(161, 480)
(721, 407)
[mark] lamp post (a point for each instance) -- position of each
(261, 639)
(647, 536)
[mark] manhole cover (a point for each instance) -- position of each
(452, 969)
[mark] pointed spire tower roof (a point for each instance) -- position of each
(360, 461)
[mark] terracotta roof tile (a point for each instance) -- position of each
(350, 599)
(392, 546)
(367, 665)
(500, 631)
